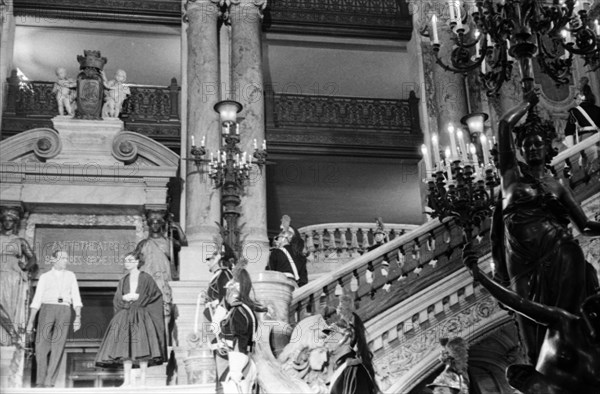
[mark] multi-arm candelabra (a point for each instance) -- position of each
(498, 31)
(462, 185)
(230, 167)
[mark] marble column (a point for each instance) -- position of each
(7, 39)
(247, 81)
(203, 206)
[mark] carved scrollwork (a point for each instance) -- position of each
(48, 144)
(124, 149)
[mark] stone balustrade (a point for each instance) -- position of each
(385, 271)
(329, 246)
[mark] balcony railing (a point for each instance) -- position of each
(149, 110)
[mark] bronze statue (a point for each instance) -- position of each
(569, 358)
(454, 379)
(17, 259)
(531, 243)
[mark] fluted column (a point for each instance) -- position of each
(247, 80)
(203, 209)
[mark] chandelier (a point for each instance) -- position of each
(488, 35)
(229, 168)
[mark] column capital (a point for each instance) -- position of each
(210, 7)
(229, 6)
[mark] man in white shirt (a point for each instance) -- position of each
(56, 292)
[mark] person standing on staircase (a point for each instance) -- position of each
(288, 256)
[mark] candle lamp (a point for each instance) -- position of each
(230, 169)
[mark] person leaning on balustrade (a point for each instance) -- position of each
(57, 291)
(535, 251)
(17, 258)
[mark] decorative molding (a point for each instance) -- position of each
(362, 18)
(415, 355)
(151, 11)
(44, 142)
(353, 113)
(354, 18)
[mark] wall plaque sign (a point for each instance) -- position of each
(95, 253)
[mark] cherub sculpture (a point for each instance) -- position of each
(115, 93)
(64, 89)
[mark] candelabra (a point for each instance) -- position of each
(498, 31)
(462, 186)
(230, 168)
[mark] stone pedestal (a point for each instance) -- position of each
(274, 290)
(87, 140)
(185, 296)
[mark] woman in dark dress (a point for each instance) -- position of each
(532, 244)
(136, 334)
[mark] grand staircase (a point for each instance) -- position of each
(414, 290)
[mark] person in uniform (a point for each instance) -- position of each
(288, 256)
(238, 333)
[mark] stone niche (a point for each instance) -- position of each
(85, 185)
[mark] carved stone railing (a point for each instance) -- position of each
(382, 277)
(397, 270)
(331, 245)
(370, 18)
